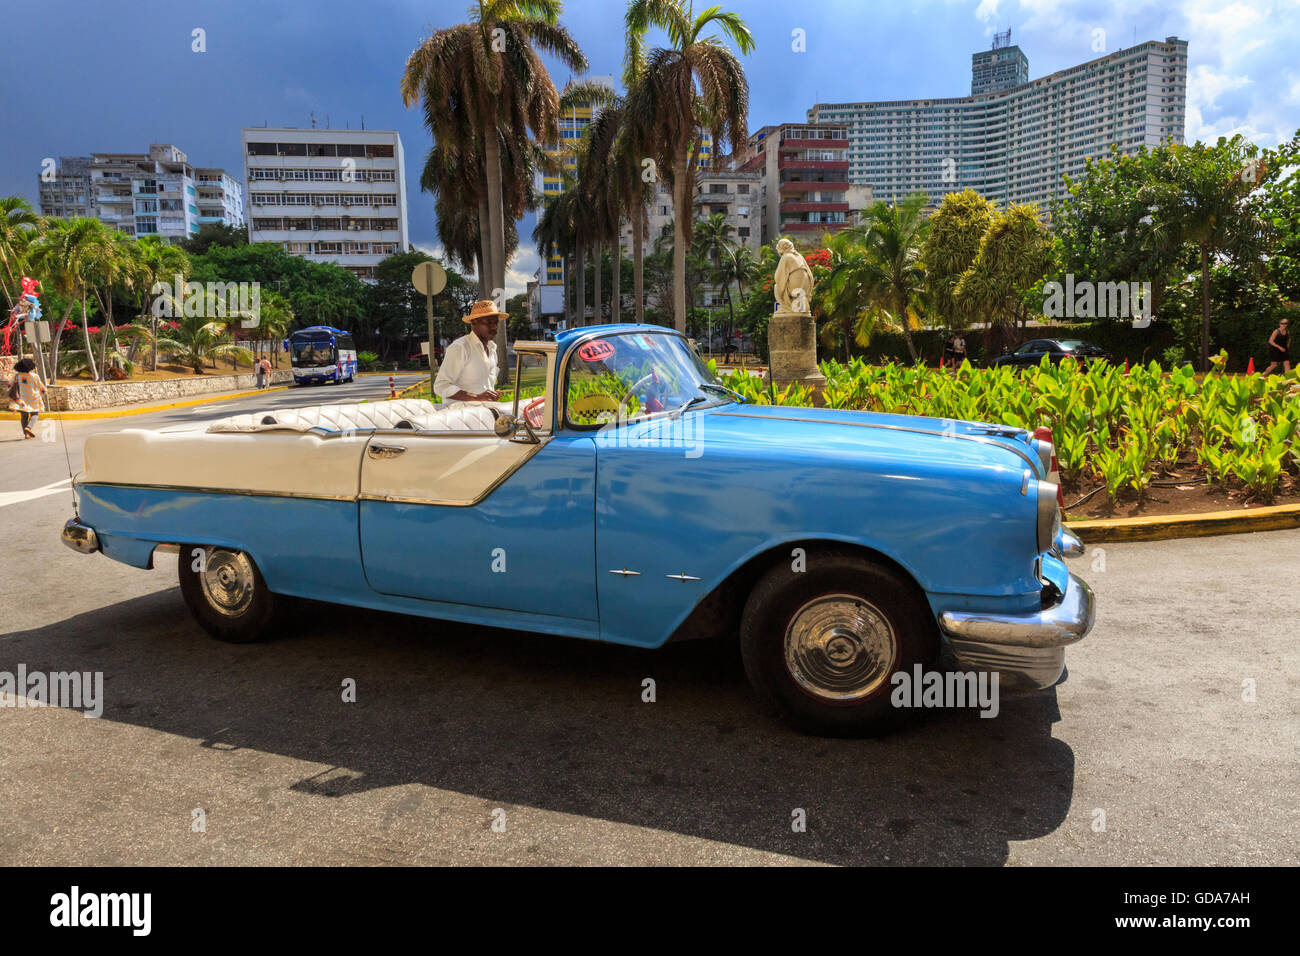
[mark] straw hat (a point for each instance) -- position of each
(482, 309)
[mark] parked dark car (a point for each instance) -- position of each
(1031, 353)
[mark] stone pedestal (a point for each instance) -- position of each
(792, 339)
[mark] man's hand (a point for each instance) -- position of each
(489, 396)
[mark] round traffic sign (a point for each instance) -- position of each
(429, 278)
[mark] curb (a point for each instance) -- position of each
(9, 416)
(1165, 527)
(410, 388)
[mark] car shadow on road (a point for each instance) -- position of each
(561, 725)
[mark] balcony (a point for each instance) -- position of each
(708, 199)
(814, 144)
(813, 185)
(814, 207)
(791, 163)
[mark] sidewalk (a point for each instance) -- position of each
(140, 408)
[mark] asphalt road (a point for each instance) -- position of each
(455, 726)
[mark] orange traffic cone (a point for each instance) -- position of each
(1250, 366)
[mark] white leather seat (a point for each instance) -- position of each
(421, 414)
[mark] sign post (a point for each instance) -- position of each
(429, 278)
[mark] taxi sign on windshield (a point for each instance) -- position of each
(596, 351)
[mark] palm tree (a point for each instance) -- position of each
(159, 262)
(696, 83)
(275, 320)
(19, 224)
(197, 339)
(117, 262)
(891, 274)
(484, 86)
(557, 233)
(68, 253)
(713, 241)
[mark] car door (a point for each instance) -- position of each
(1031, 353)
(481, 520)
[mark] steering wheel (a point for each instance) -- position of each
(533, 411)
(652, 377)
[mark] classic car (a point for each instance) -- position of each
(629, 498)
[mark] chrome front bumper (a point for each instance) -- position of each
(80, 537)
(1027, 648)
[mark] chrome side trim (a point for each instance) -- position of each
(1024, 482)
(193, 489)
(681, 577)
(981, 439)
(628, 574)
(1057, 626)
(80, 537)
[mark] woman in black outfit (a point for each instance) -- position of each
(1279, 345)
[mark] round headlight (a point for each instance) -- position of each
(1049, 516)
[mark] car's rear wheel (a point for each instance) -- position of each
(227, 594)
(821, 645)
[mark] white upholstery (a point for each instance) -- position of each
(423, 414)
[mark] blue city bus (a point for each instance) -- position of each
(322, 353)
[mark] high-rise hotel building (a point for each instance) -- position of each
(1013, 138)
(329, 195)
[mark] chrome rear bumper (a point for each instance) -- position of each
(1026, 646)
(80, 537)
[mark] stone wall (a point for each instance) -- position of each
(76, 398)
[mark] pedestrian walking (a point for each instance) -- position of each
(958, 350)
(27, 395)
(1279, 348)
(263, 372)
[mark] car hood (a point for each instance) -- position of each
(839, 432)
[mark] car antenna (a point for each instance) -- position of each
(72, 481)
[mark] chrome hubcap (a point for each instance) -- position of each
(839, 647)
(227, 581)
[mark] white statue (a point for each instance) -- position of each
(794, 280)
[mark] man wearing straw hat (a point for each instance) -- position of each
(469, 367)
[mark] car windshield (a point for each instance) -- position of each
(634, 374)
(1071, 345)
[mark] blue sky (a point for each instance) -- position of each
(107, 75)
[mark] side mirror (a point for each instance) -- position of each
(507, 426)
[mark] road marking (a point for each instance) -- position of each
(206, 408)
(16, 497)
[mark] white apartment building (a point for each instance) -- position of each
(155, 193)
(329, 195)
(1014, 143)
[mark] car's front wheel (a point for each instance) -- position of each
(227, 594)
(821, 640)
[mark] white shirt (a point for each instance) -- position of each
(466, 366)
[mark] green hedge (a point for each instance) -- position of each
(1243, 336)
(1119, 339)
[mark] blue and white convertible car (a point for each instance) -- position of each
(626, 497)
